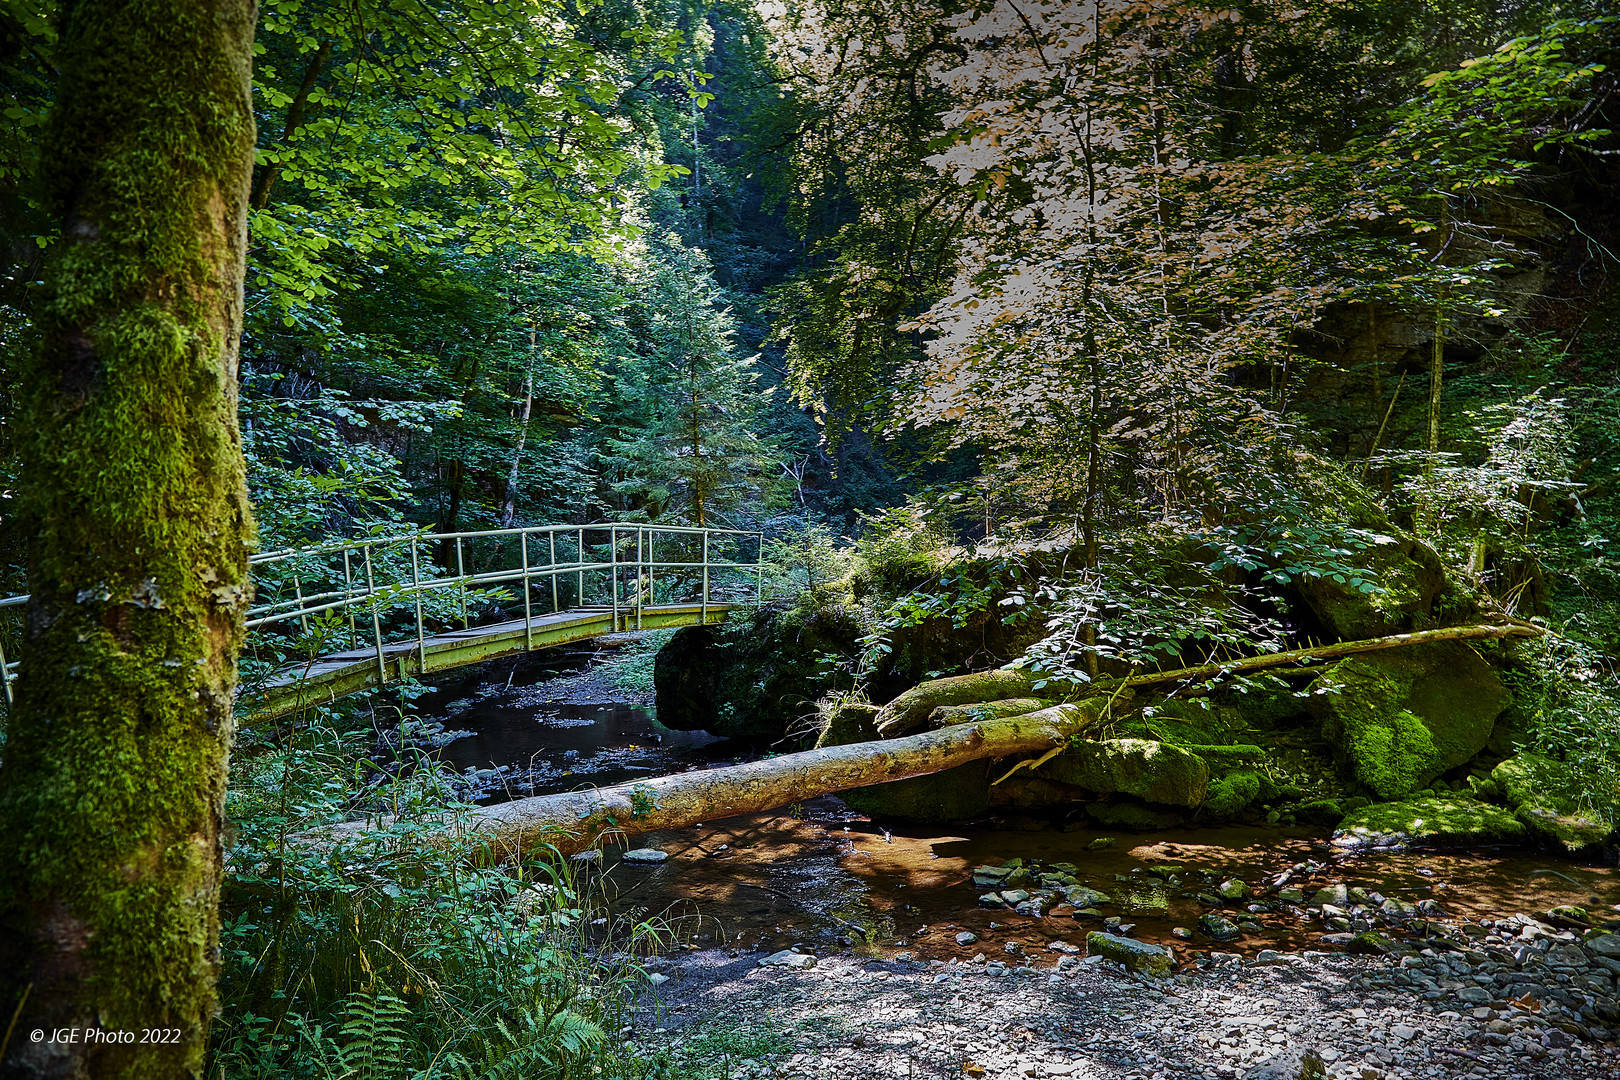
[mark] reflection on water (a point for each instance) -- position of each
(545, 731)
(561, 747)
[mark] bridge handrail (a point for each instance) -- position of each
(379, 596)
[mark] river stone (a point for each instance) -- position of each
(1152, 771)
(1082, 897)
(990, 875)
(1014, 896)
(966, 937)
(1436, 821)
(646, 855)
(1234, 890)
(1219, 927)
(1135, 955)
(1401, 717)
(1338, 895)
(1604, 945)
(789, 959)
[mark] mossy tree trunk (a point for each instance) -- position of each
(132, 497)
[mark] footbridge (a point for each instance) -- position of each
(342, 616)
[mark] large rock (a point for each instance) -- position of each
(1136, 955)
(1555, 820)
(752, 676)
(1430, 822)
(1154, 772)
(1401, 717)
(1412, 579)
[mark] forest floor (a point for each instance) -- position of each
(722, 1014)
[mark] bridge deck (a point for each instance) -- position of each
(334, 675)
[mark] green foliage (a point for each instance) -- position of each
(1569, 691)
(403, 954)
(630, 669)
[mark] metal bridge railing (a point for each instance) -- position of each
(401, 585)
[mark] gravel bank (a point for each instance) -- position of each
(1049, 1013)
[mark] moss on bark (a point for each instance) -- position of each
(133, 500)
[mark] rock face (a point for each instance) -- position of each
(1135, 955)
(1401, 717)
(1152, 771)
(1429, 822)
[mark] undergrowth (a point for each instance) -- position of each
(411, 953)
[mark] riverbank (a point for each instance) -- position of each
(1045, 1012)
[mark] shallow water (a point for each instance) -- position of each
(820, 872)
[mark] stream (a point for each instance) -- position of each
(823, 877)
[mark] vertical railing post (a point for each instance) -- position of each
(416, 587)
(376, 622)
(551, 538)
(298, 593)
(461, 574)
(5, 676)
(759, 572)
(703, 604)
(639, 531)
(528, 615)
(348, 594)
(613, 557)
(652, 568)
(579, 586)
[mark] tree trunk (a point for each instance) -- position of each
(575, 820)
(133, 500)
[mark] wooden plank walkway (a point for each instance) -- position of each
(338, 674)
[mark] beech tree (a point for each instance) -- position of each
(135, 511)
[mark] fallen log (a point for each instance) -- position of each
(907, 711)
(911, 709)
(575, 820)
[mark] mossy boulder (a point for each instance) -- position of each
(1555, 820)
(1399, 718)
(752, 676)
(1435, 821)
(1413, 585)
(1236, 791)
(1154, 772)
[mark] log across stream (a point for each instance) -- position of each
(573, 821)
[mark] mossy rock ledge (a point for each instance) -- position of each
(1401, 717)
(1554, 820)
(1154, 772)
(1435, 821)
